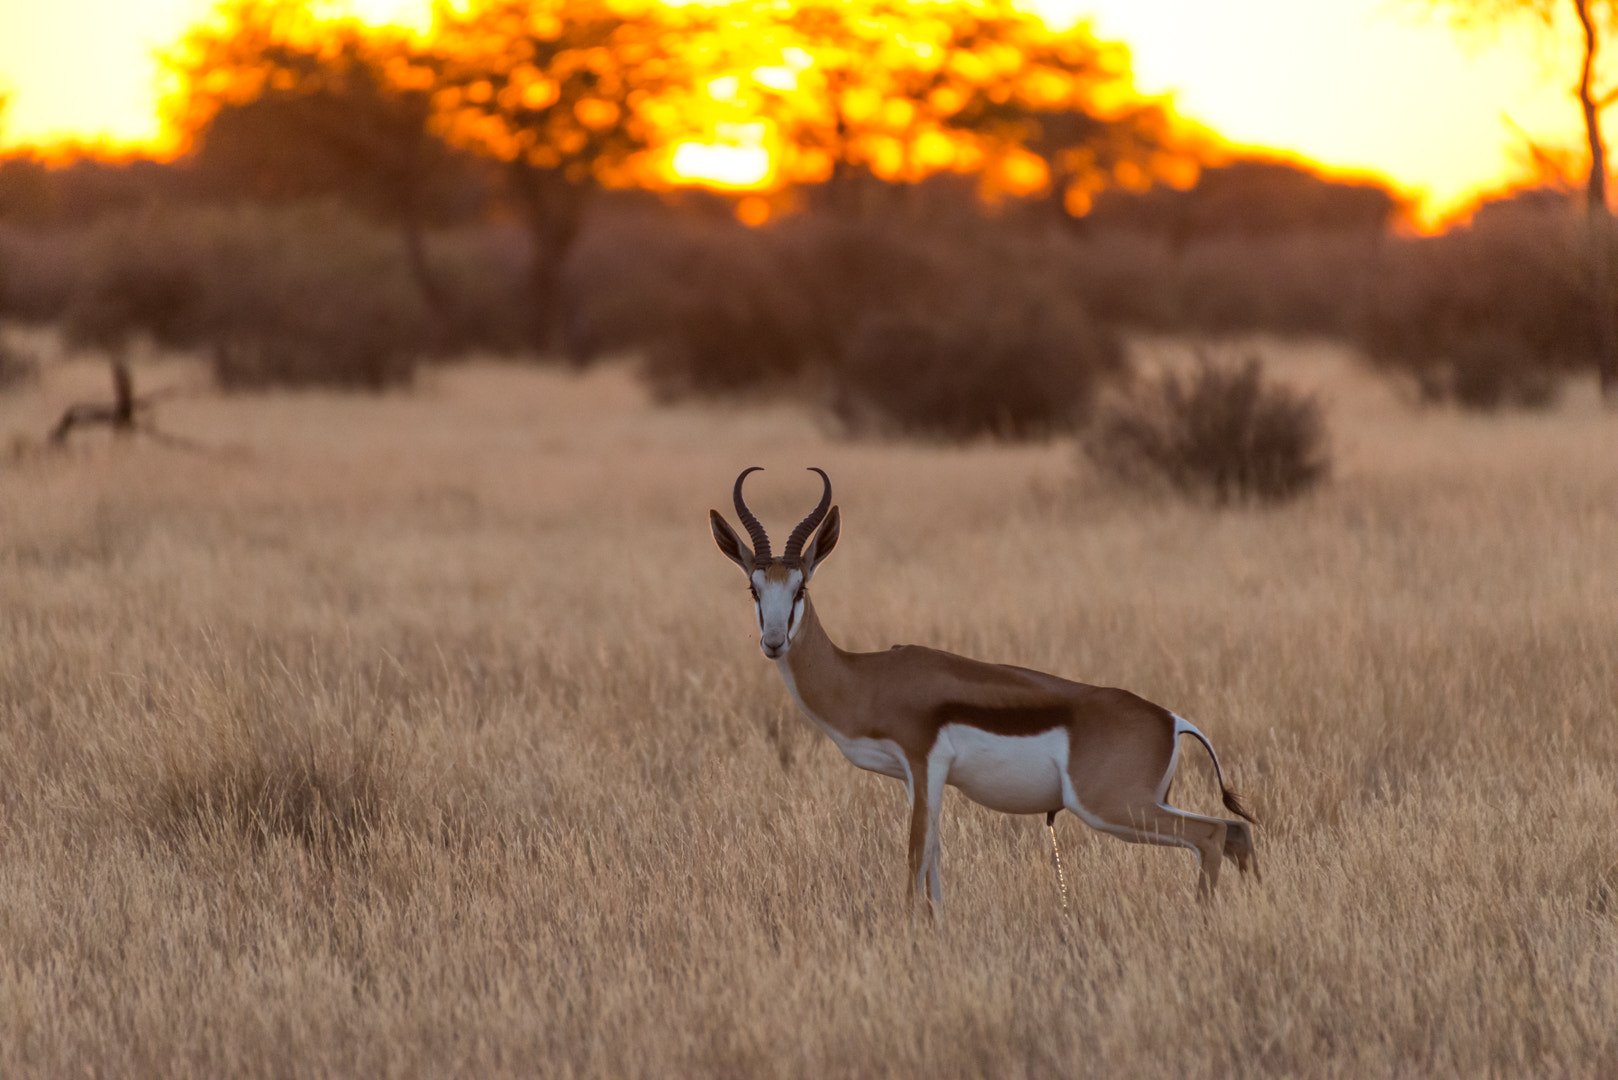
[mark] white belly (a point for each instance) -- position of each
(1015, 774)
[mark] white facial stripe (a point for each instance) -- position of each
(756, 580)
(779, 608)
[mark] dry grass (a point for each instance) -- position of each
(428, 736)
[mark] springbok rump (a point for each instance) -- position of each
(1012, 739)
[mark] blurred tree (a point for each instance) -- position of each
(574, 96)
(901, 90)
(5, 103)
(1596, 21)
(277, 102)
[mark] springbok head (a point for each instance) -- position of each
(778, 582)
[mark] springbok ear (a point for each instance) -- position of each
(822, 542)
(730, 544)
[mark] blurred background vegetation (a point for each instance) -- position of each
(938, 221)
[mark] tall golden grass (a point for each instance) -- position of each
(428, 736)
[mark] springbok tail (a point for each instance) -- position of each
(1236, 804)
(1233, 802)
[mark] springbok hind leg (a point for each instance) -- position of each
(1239, 848)
(916, 890)
(1170, 827)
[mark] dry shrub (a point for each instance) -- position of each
(1303, 283)
(1494, 313)
(1254, 245)
(1490, 314)
(1011, 367)
(481, 275)
(1296, 284)
(18, 365)
(307, 296)
(296, 295)
(266, 744)
(137, 278)
(1253, 198)
(1126, 277)
(717, 344)
(1492, 370)
(850, 269)
(39, 189)
(367, 351)
(299, 794)
(1221, 432)
(39, 269)
(950, 334)
(970, 332)
(702, 298)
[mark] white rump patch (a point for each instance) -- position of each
(1181, 726)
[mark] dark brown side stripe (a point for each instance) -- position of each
(1004, 719)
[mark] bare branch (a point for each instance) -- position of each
(126, 414)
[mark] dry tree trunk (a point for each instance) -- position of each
(1598, 213)
(120, 415)
(126, 415)
(554, 206)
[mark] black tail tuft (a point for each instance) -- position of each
(1235, 804)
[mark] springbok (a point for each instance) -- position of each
(1012, 739)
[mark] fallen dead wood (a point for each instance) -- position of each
(126, 415)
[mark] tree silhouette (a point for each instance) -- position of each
(573, 95)
(903, 90)
(1597, 22)
(277, 103)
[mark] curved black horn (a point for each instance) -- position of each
(761, 539)
(808, 525)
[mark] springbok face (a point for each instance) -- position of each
(778, 584)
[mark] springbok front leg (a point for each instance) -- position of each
(938, 764)
(920, 826)
(927, 777)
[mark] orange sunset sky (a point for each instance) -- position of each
(1358, 85)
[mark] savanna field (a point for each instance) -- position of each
(427, 734)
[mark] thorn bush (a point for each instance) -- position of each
(1220, 432)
